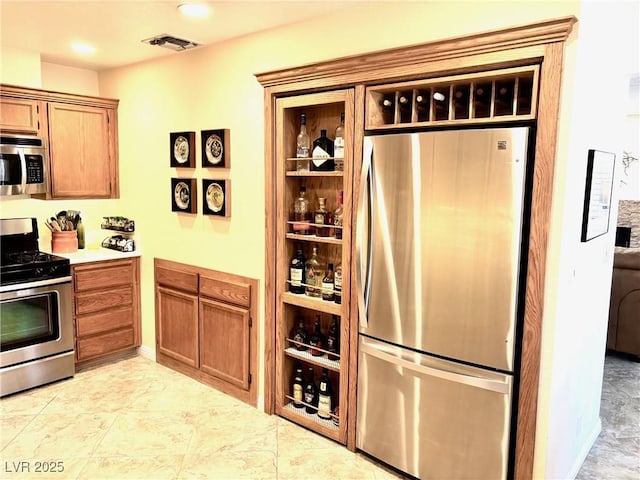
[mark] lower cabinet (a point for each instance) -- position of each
(204, 326)
(106, 308)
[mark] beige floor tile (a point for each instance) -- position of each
(324, 463)
(230, 466)
(12, 425)
(31, 402)
(162, 467)
(292, 437)
(239, 429)
(146, 433)
(56, 436)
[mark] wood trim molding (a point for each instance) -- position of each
(52, 96)
(556, 30)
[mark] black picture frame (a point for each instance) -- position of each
(178, 142)
(215, 146)
(597, 194)
(184, 195)
(216, 197)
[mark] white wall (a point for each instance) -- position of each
(215, 87)
(593, 115)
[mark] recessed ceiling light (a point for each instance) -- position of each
(83, 48)
(196, 10)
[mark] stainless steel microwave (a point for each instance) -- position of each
(23, 165)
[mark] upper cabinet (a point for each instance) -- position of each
(81, 133)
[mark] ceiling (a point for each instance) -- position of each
(116, 28)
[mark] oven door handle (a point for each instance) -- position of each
(35, 284)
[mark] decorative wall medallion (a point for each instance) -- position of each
(183, 195)
(216, 198)
(215, 148)
(182, 149)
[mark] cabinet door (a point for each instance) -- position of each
(19, 116)
(177, 331)
(224, 342)
(81, 157)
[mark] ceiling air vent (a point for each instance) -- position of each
(172, 43)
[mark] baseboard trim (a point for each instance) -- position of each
(586, 448)
(147, 352)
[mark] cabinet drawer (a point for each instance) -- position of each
(104, 321)
(97, 301)
(229, 292)
(103, 275)
(104, 344)
(176, 279)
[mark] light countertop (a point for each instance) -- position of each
(95, 255)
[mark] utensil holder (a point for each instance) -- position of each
(64, 242)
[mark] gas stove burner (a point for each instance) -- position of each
(27, 257)
(21, 261)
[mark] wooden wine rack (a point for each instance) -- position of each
(483, 97)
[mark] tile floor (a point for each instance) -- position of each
(616, 452)
(135, 419)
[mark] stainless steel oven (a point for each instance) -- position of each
(36, 318)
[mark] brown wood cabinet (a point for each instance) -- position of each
(106, 307)
(20, 116)
(204, 326)
(81, 133)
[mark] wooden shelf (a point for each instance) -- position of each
(322, 361)
(302, 300)
(301, 416)
(314, 238)
(295, 173)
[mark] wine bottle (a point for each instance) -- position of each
(338, 145)
(324, 395)
(337, 216)
(322, 153)
(302, 146)
(337, 283)
(404, 102)
(296, 272)
(327, 284)
(299, 335)
(80, 233)
(297, 389)
(310, 394)
(313, 275)
(387, 107)
(422, 106)
(482, 101)
(333, 337)
(320, 218)
(316, 340)
(301, 213)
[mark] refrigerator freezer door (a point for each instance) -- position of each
(440, 250)
(431, 418)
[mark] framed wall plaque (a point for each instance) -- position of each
(182, 149)
(184, 195)
(597, 195)
(216, 197)
(215, 148)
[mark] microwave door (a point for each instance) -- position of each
(12, 166)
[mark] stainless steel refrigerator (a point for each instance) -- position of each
(439, 246)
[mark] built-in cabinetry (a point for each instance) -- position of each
(323, 112)
(106, 307)
(81, 134)
(204, 326)
(486, 78)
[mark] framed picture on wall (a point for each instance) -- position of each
(182, 149)
(215, 148)
(597, 195)
(183, 195)
(216, 197)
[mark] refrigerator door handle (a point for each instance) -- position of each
(391, 355)
(363, 239)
